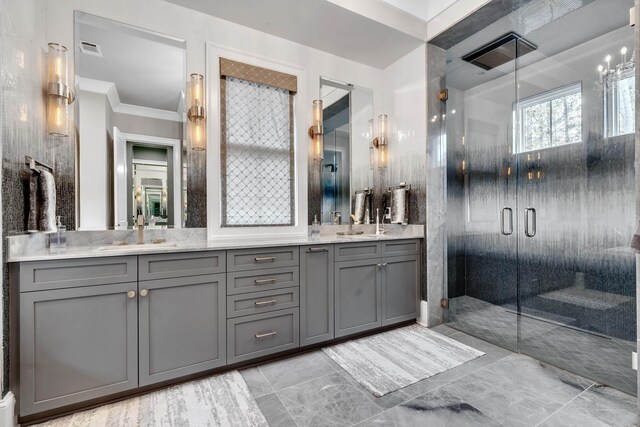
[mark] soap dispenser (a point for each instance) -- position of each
(58, 240)
(315, 228)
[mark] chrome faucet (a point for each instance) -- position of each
(140, 225)
(337, 217)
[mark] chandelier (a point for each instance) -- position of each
(609, 76)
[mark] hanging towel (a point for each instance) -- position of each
(48, 194)
(32, 223)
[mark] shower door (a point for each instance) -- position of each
(574, 141)
(482, 219)
(541, 192)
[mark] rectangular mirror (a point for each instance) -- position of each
(132, 157)
(345, 173)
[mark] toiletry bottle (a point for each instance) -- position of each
(58, 240)
(315, 228)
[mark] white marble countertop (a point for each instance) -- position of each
(30, 253)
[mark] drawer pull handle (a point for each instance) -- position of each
(318, 250)
(265, 281)
(131, 294)
(144, 293)
(265, 259)
(271, 301)
(267, 334)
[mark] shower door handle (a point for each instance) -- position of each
(502, 221)
(530, 232)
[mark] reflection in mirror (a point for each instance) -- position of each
(345, 173)
(131, 115)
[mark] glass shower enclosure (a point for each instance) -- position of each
(541, 186)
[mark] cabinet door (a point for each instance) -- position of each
(358, 298)
(400, 284)
(77, 344)
(316, 294)
(182, 323)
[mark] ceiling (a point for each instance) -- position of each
(423, 9)
(377, 35)
(147, 69)
(554, 33)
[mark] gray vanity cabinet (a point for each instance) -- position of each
(77, 344)
(376, 284)
(358, 296)
(400, 284)
(181, 326)
(316, 294)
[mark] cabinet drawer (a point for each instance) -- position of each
(257, 259)
(357, 251)
(262, 280)
(401, 248)
(254, 336)
(59, 274)
(262, 302)
(166, 266)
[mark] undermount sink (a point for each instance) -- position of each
(146, 246)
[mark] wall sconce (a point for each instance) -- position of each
(316, 131)
(380, 142)
(197, 124)
(59, 96)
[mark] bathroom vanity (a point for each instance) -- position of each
(110, 322)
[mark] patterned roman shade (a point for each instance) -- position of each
(257, 146)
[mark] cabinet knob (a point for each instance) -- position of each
(131, 294)
(144, 293)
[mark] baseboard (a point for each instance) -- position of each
(424, 317)
(7, 411)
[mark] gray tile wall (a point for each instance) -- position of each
(637, 177)
(435, 262)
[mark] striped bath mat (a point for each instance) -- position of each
(392, 360)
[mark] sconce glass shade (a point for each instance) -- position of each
(316, 131)
(58, 93)
(383, 155)
(197, 123)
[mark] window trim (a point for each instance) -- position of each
(215, 230)
(546, 96)
(611, 118)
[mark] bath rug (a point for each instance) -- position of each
(220, 400)
(392, 360)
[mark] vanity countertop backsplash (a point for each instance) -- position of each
(90, 244)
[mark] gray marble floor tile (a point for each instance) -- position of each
(295, 370)
(445, 330)
(384, 419)
(304, 417)
(437, 408)
(329, 360)
(274, 411)
(477, 343)
(529, 374)
(333, 397)
(257, 383)
(385, 402)
(502, 399)
(598, 406)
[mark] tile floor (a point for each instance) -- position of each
(501, 388)
(605, 360)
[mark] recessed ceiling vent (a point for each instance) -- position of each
(90, 48)
(500, 51)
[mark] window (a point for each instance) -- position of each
(257, 146)
(550, 119)
(619, 101)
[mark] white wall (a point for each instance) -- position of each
(93, 161)
(404, 102)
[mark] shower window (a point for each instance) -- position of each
(257, 146)
(550, 119)
(619, 101)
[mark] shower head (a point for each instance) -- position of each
(500, 51)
